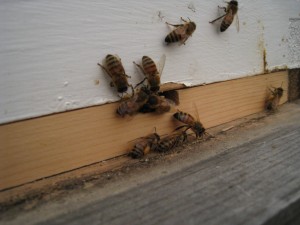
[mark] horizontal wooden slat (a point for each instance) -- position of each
(49, 145)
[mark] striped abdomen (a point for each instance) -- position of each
(173, 37)
(114, 65)
(166, 144)
(117, 72)
(184, 117)
(170, 142)
(149, 66)
(226, 22)
(140, 149)
(144, 145)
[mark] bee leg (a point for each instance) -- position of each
(183, 41)
(174, 25)
(187, 127)
(121, 97)
(217, 18)
(112, 84)
(139, 66)
(273, 92)
(184, 19)
(224, 8)
(209, 135)
(104, 68)
(127, 75)
(140, 82)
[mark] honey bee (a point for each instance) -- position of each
(114, 68)
(273, 101)
(171, 141)
(158, 104)
(181, 32)
(230, 12)
(190, 123)
(133, 104)
(151, 72)
(144, 145)
(161, 103)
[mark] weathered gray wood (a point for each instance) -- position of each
(294, 84)
(255, 183)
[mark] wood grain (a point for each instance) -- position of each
(41, 147)
(256, 182)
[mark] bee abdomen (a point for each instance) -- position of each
(136, 153)
(139, 150)
(164, 146)
(148, 65)
(114, 65)
(224, 26)
(121, 83)
(167, 144)
(173, 37)
(183, 117)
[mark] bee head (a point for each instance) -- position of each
(191, 27)
(279, 91)
(199, 129)
(235, 3)
(142, 95)
(122, 88)
(153, 100)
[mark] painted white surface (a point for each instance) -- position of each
(49, 49)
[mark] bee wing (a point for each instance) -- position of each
(237, 22)
(161, 64)
(197, 113)
(136, 140)
(181, 31)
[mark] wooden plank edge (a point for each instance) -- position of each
(36, 192)
(204, 100)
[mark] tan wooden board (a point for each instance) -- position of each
(42, 147)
